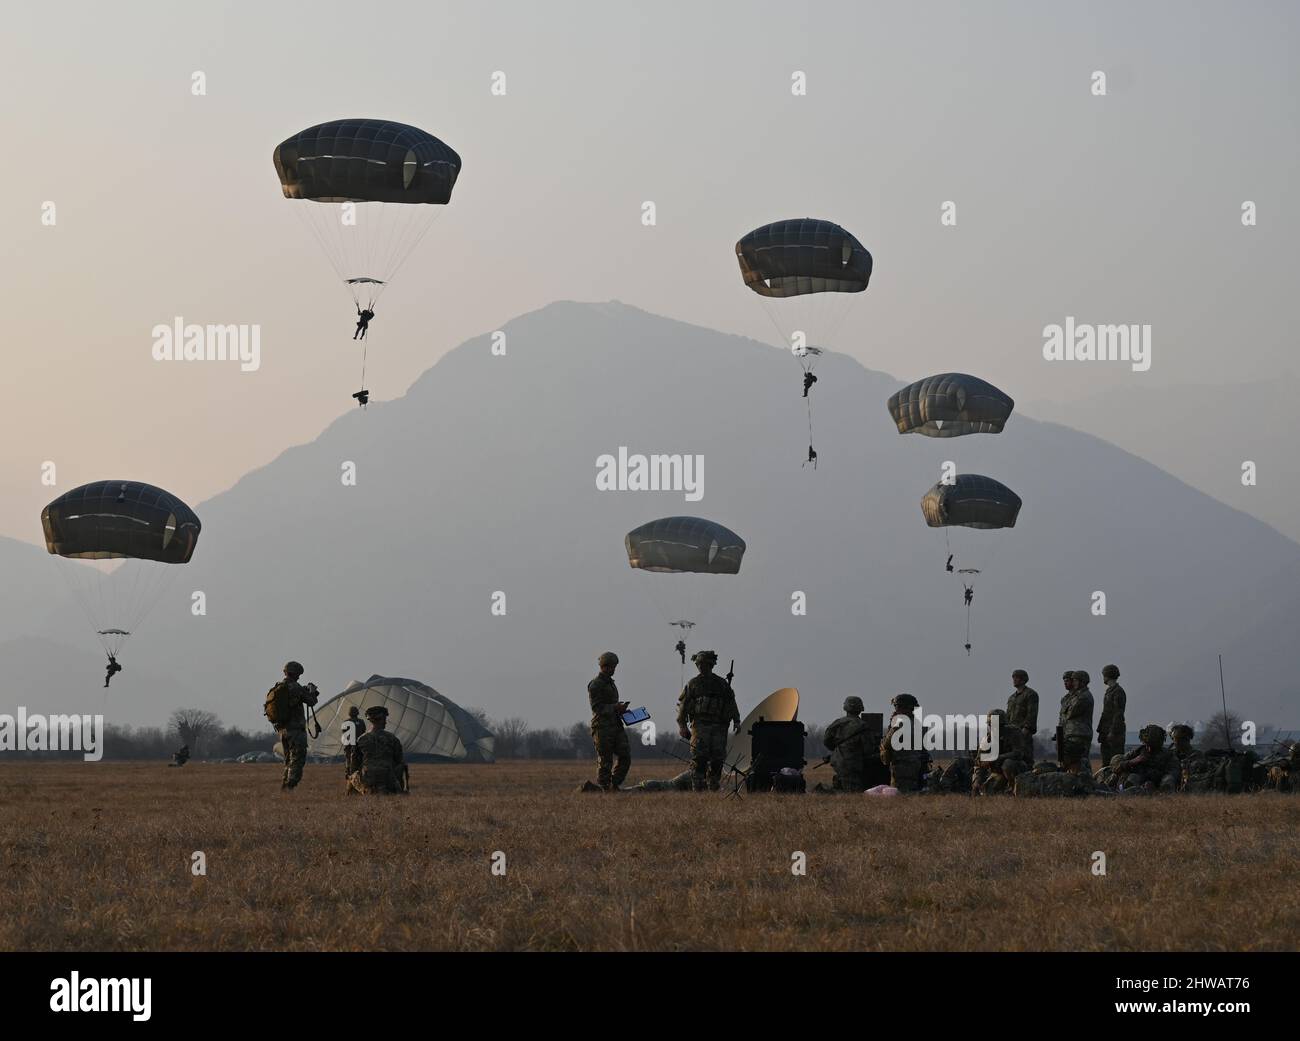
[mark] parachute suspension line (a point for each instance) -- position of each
(968, 607)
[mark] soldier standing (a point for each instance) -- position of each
(1075, 723)
(285, 709)
(351, 761)
(1022, 708)
(907, 766)
(1110, 727)
(705, 708)
(613, 753)
(379, 758)
(847, 741)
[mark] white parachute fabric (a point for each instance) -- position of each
(427, 723)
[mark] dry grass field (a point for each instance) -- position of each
(97, 857)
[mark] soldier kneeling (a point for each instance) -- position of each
(380, 769)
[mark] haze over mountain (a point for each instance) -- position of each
(482, 478)
(1202, 434)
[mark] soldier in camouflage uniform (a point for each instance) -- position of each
(1111, 726)
(1283, 774)
(1076, 723)
(608, 732)
(848, 740)
(706, 707)
(1189, 759)
(996, 776)
(379, 753)
(1153, 767)
(907, 766)
(351, 761)
(1022, 708)
(293, 733)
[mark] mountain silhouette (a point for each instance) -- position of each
(482, 479)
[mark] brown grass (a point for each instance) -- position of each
(96, 857)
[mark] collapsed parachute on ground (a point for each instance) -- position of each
(685, 544)
(800, 257)
(430, 725)
(121, 540)
(950, 404)
(972, 501)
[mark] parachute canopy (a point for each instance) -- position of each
(429, 725)
(366, 160)
(114, 519)
(950, 404)
(972, 501)
(120, 539)
(798, 257)
(685, 544)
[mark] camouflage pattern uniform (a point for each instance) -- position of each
(351, 760)
(681, 783)
(908, 766)
(1283, 775)
(380, 755)
(953, 779)
(708, 707)
(293, 735)
(608, 733)
(1190, 761)
(1076, 723)
(1111, 726)
(1022, 711)
(998, 776)
(847, 739)
(1153, 766)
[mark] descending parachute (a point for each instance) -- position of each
(951, 404)
(120, 540)
(691, 551)
(805, 272)
(429, 725)
(376, 187)
(971, 501)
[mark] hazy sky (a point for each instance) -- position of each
(1116, 209)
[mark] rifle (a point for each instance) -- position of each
(1060, 746)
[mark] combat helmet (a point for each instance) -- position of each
(853, 703)
(1153, 734)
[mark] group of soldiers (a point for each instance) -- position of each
(863, 755)
(706, 709)
(372, 758)
(1151, 767)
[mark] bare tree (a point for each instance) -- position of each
(1223, 731)
(192, 725)
(511, 734)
